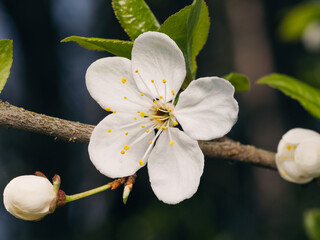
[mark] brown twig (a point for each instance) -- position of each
(64, 130)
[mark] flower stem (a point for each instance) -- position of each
(70, 198)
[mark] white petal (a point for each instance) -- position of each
(289, 171)
(296, 136)
(175, 170)
(156, 57)
(105, 147)
(207, 108)
(104, 83)
(307, 157)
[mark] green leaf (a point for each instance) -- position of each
(296, 20)
(189, 28)
(5, 61)
(312, 223)
(135, 17)
(239, 81)
(116, 47)
(307, 96)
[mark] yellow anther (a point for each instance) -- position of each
(148, 131)
(137, 71)
(285, 157)
(125, 97)
(150, 142)
(292, 157)
(171, 143)
(135, 118)
(170, 109)
(109, 131)
(108, 109)
(288, 147)
(126, 147)
(141, 162)
(157, 109)
(172, 92)
(114, 111)
(123, 80)
(122, 152)
(164, 81)
(284, 173)
(142, 114)
(155, 101)
(175, 124)
(143, 126)
(138, 111)
(152, 81)
(126, 133)
(294, 147)
(160, 97)
(141, 94)
(158, 127)
(163, 128)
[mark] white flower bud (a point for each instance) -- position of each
(298, 156)
(29, 197)
(311, 36)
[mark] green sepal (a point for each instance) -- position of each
(189, 28)
(135, 17)
(5, 61)
(116, 47)
(240, 82)
(306, 95)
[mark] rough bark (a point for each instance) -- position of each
(64, 130)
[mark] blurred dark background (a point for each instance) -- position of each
(234, 201)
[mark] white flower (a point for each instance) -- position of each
(298, 156)
(28, 197)
(144, 124)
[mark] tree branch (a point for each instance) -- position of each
(64, 130)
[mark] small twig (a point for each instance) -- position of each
(64, 130)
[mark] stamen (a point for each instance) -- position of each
(172, 91)
(143, 126)
(164, 81)
(163, 128)
(137, 71)
(108, 109)
(126, 147)
(170, 110)
(123, 80)
(138, 111)
(126, 133)
(288, 147)
(150, 142)
(152, 81)
(141, 94)
(171, 142)
(141, 162)
(175, 124)
(155, 101)
(125, 97)
(109, 130)
(284, 173)
(114, 111)
(147, 131)
(142, 114)
(160, 97)
(122, 152)
(135, 118)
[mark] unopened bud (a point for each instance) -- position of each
(32, 197)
